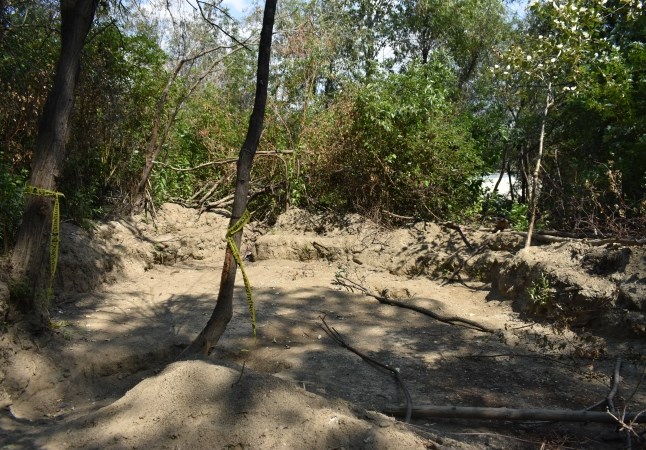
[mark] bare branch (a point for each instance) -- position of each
(336, 337)
(472, 412)
(342, 280)
(215, 25)
(219, 162)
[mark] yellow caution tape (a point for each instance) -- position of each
(56, 223)
(238, 226)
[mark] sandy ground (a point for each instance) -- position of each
(132, 296)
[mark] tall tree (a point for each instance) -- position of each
(197, 48)
(565, 55)
(29, 51)
(30, 252)
(362, 27)
(223, 311)
(465, 30)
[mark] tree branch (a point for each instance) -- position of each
(341, 280)
(219, 162)
(336, 337)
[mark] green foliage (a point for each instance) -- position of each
(539, 293)
(28, 52)
(208, 129)
(466, 31)
(350, 128)
(122, 76)
(11, 201)
(582, 55)
(398, 145)
(518, 216)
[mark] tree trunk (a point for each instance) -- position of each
(163, 121)
(511, 184)
(30, 255)
(156, 141)
(223, 311)
(533, 198)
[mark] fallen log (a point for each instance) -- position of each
(552, 238)
(472, 412)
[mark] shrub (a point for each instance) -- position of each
(397, 145)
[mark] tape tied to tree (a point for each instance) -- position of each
(56, 223)
(233, 229)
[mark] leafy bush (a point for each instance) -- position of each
(397, 144)
(11, 202)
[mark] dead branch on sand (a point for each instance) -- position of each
(463, 263)
(625, 421)
(458, 228)
(353, 286)
(552, 237)
(474, 412)
(336, 337)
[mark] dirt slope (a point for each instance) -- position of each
(132, 296)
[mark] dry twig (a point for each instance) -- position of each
(336, 337)
(459, 268)
(458, 228)
(608, 402)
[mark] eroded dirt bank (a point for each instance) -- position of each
(132, 294)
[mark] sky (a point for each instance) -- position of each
(237, 8)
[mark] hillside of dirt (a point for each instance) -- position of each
(132, 294)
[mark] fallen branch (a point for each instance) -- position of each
(546, 238)
(211, 191)
(472, 412)
(608, 402)
(397, 216)
(553, 238)
(461, 266)
(336, 337)
(628, 427)
(347, 283)
(458, 228)
(626, 242)
(199, 191)
(520, 355)
(221, 203)
(228, 200)
(616, 378)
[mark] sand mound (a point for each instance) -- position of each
(131, 294)
(196, 404)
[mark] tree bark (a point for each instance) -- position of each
(223, 311)
(30, 255)
(533, 198)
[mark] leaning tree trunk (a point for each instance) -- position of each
(30, 256)
(533, 198)
(223, 311)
